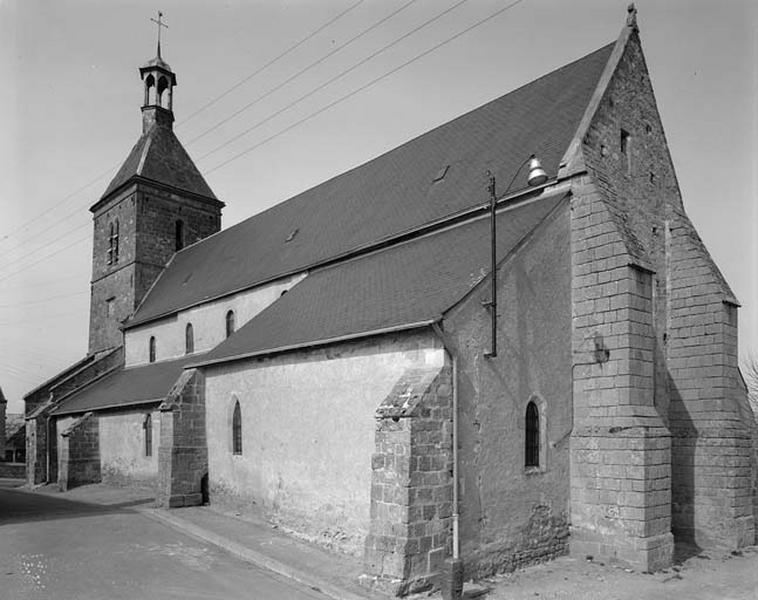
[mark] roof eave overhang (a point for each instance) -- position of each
(317, 343)
(136, 179)
(61, 411)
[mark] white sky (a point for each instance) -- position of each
(69, 113)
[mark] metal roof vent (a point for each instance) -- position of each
(292, 235)
(441, 174)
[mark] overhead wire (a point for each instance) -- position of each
(270, 63)
(303, 71)
(335, 78)
(45, 257)
(363, 87)
(42, 247)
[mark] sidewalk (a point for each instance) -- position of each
(251, 538)
(260, 543)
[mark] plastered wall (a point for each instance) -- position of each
(122, 446)
(208, 323)
(510, 514)
(308, 431)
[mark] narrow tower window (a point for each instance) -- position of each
(229, 323)
(179, 235)
(115, 244)
(626, 150)
(110, 243)
(148, 425)
(189, 339)
(151, 349)
(237, 429)
(532, 438)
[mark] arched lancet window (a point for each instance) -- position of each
(237, 429)
(179, 235)
(229, 323)
(162, 85)
(149, 90)
(148, 426)
(532, 438)
(151, 349)
(189, 339)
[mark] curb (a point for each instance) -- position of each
(252, 556)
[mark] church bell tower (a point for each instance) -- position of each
(157, 204)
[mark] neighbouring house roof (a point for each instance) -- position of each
(15, 425)
(159, 156)
(430, 178)
(410, 283)
(126, 386)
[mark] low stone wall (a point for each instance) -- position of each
(12, 470)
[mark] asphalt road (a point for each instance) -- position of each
(57, 549)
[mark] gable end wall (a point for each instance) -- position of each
(696, 389)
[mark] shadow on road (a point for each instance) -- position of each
(21, 505)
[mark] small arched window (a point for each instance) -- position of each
(189, 339)
(179, 235)
(162, 85)
(149, 90)
(148, 426)
(151, 349)
(229, 323)
(237, 429)
(532, 438)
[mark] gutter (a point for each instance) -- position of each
(314, 343)
(108, 406)
(456, 502)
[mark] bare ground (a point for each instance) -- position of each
(705, 575)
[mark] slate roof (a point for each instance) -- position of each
(408, 283)
(387, 196)
(126, 386)
(159, 156)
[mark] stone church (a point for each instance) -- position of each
(413, 366)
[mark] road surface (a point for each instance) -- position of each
(57, 549)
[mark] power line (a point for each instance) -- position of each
(57, 204)
(36, 262)
(269, 63)
(44, 246)
(365, 86)
(302, 71)
(42, 283)
(43, 300)
(335, 78)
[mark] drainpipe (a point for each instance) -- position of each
(452, 579)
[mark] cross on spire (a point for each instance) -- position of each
(160, 24)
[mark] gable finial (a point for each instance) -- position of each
(631, 16)
(160, 24)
